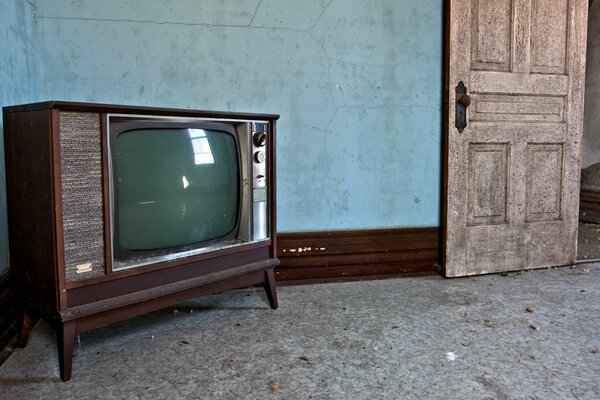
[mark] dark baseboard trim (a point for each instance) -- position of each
(312, 257)
(7, 350)
(589, 204)
(8, 318)
(356, 254)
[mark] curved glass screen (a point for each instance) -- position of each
(175, 187)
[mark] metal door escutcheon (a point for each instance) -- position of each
(463, 100)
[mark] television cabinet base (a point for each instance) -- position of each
(74, 322)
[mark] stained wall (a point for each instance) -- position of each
(358, 84)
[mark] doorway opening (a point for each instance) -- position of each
(588, 243)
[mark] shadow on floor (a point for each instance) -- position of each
(588, 241)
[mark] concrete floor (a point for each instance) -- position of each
(529, 335)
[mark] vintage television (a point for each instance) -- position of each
(114, 211)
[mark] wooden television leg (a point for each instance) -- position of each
(25, 325)
(65, 339)
(270, 288)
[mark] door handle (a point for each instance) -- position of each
(463, 100)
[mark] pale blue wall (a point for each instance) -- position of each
(17, 81)
(357, 83)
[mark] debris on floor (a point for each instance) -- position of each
(434, 338)
(274, 387)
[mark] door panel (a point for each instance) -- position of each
(544, 191)
(512, 174)
(491, 44)
(488, 181)
(549, 36)
(511, 108)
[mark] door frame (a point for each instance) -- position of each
(445, 129)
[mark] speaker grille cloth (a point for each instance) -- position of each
(82, 201)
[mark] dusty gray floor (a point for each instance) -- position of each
(410, 338)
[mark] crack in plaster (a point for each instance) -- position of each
(141, 21)
(255, 12)
(310, 32)
(33, 9)
(343, 99)
(31, 4)
(327, 169)
(333, 115)
(210, 26)
(206, 24)
(187, 48)
(311, 29)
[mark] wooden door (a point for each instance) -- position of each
(512, 175)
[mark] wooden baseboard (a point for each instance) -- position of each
(589, 204)
(8, 318)
(7, 350)
(317, 257)
(335, 255)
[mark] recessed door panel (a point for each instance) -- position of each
(544, 182)
(488, 181)
(549, 36)
(511, 108)
(491, 44)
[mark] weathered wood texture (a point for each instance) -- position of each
(513, 174)
(338, 255)
(31, 208)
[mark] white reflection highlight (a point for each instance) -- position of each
(186, 183)
(201, 147)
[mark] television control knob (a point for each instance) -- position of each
(259, 139)
(260, 157)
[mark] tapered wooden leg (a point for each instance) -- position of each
(65, 337)
(25, 324)
(270, 288)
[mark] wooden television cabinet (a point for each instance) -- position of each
(59, 215)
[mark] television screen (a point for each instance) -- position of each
(175, 187)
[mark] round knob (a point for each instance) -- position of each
(260, 156)
(259, 139)
(465, 100)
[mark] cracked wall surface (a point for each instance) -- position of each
(358, 85)
(17, 82)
